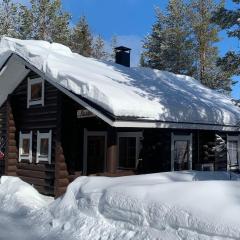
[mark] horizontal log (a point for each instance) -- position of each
(45, 190)
(11, 161)
(12, 129)
(37, 181)
(12, 174)
(36, 167)
(35, 174)
(11, 142)
(12, 155)
(61, 166)
(62, 174)
(11, 168)
(62, 182)
(12, 149)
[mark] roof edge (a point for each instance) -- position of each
(113, 120)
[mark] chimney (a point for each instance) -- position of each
(123, 56)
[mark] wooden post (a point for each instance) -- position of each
(61, 172)
(112, 151)
(11, 157)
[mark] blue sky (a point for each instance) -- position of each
(130, 20)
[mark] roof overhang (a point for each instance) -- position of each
(106, 117)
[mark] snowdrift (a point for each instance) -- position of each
(183, 205)
(124, 92)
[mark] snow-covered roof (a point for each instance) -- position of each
(139, 93)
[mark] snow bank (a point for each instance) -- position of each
(135, 92)
(158, 206)
(164, 206)
(18, 195)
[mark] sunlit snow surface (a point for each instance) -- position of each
(180, 205)
(125, 92)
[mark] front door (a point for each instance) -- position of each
(95, 147)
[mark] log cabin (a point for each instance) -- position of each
(63, 115)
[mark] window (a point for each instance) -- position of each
(208, 167)
(25, 147)
(181, 157)
(233, 152)
(44, 143)
(35, 92)
(128, 149)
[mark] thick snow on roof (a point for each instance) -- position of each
(125, 92)
(163, 206)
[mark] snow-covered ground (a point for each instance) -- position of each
(180, 205)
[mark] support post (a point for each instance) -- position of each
(112, 151)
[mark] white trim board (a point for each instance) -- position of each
(130, 124)
(31, 82)
(23, 136)
(237, 139)
(44, 136)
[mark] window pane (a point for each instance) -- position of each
(233, 152)
(127, 152)
(44, 147)
(181, 155)
(36, 91)
(25, 147)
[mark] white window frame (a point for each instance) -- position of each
(85, 147)
(180, 137)
(232, 138)
(23, 136)
(138, 136)
(33, 82)
(43, 136)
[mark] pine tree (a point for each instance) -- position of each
(81, 38)
(229, 20)
(45, 20)
(98, 50)
(169, 45)
(9, 19)
(113, 45)
(205, 36)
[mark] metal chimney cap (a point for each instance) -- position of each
(122, 48)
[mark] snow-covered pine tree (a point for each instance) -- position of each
(169, 46)
(9, 19)
(229, 20)
(45, 20)
(81, 38)
(98, 50)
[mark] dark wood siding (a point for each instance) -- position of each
(36, 118)
(3, 134)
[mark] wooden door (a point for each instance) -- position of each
(95, 154)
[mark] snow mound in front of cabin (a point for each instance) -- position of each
(165, 206)
(18, 196)
(125, 92)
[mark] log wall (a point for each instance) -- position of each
(3, 134)
(35, 118)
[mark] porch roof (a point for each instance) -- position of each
(127, 94)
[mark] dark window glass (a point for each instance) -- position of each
(44, 147)
(36, 92)
(26, 147)
(127, 152)
(233, 152)
(181, 155)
